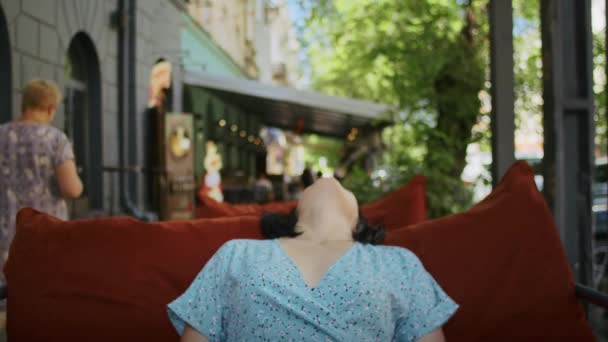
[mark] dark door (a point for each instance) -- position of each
(76, 127)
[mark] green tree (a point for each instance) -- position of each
(599, 88)
(426, 57)
(430, 59)
(318, 147)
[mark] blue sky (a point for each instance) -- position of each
(298, 15)
(294, 10)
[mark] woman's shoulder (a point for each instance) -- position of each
(35, 131)
(246, 242)
(4, 128)
(244, 245)
(393, 255)
(56, 132)
(392, 262)
(244, 253)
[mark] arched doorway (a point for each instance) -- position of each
(83, 120)
(6, 82)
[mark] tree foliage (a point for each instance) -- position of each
(599, 89)
(426, 57)
(430, 59)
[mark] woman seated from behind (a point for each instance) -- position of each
(319, 277)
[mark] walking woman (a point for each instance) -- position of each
(37, 166)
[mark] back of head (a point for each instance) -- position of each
(40, 95)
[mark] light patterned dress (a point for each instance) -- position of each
(29, 154)
(252, 291)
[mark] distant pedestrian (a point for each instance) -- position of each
(307, 179)
(37, 167)
(263, 189)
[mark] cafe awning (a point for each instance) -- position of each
(287, 107)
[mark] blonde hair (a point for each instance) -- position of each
(40, 94)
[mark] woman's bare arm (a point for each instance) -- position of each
(435, 336)
(69, 182)
(191, 335)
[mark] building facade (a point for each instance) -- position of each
(259, 35)
(88, 47)
(214, 116)
(104, 56)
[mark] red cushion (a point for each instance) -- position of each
(106, 279)
(402, 207)
(210, 208)
(110, 279)
(504, 263)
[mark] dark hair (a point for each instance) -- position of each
(276, 225)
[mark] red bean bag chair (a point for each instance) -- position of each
(106, 279)
(404, 206)
(111, 279)
(504, 263)
(210, 208)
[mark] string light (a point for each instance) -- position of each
(222, 123)
(234, 128)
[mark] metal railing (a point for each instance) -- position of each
(114, 173)
(592, 296)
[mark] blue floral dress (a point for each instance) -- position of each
(252, 291)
